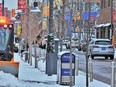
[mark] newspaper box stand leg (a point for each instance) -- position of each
(64, 71)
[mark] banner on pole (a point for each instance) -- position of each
(114, 16)
(22, 4)
(13, 12)
(0, 9)
(86, 15)
(114, 12)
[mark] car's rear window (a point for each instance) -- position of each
(103, 42)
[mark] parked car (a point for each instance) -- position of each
(65, 40)
(101, 47)
(22, 45)
(82, 46)
(74, 44)
(16, 43)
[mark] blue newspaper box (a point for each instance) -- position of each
(64, 74)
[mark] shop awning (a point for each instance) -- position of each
(99, 25)
(102, 25)
(107, 24)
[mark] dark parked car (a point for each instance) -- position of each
(82, 46)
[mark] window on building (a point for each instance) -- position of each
(102, 4)
(86, 6)
(109, 3)
(109, 32)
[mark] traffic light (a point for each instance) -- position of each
(50, 43)
(18, 16)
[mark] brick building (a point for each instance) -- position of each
(106, 23)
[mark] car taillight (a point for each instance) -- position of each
(110, 46)
(95, 46)
(84, 44)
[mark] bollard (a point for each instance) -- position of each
(113, 74)
(40, 53)
(77, 66)
(91, 69)
(58, 71)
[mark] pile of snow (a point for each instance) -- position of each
(8, 80)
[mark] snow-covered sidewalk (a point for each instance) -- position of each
(31, 74)
(32, 77)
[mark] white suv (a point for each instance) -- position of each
(101, 47)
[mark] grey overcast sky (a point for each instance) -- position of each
(11, 4)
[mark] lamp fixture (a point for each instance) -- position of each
(35, 8)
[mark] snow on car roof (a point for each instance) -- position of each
(101, 39)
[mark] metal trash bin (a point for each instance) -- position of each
(63, 72)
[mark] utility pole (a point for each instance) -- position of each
(35, 4)
(113, 62)
(62, 24)
(27, 16)
(51, 17)
(111, 20)
(80, 23)
(2, 7)
(88, 29)
(63, 30)
(71, 11)
(71, 49)
(50, 60)
(58, 25)
(3, 13)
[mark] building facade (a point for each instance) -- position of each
(106, 22)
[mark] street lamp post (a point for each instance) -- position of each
(27, 26)
(35, 10)
(52, 45)
(113, 43)
(49, 55)
(51, 17)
